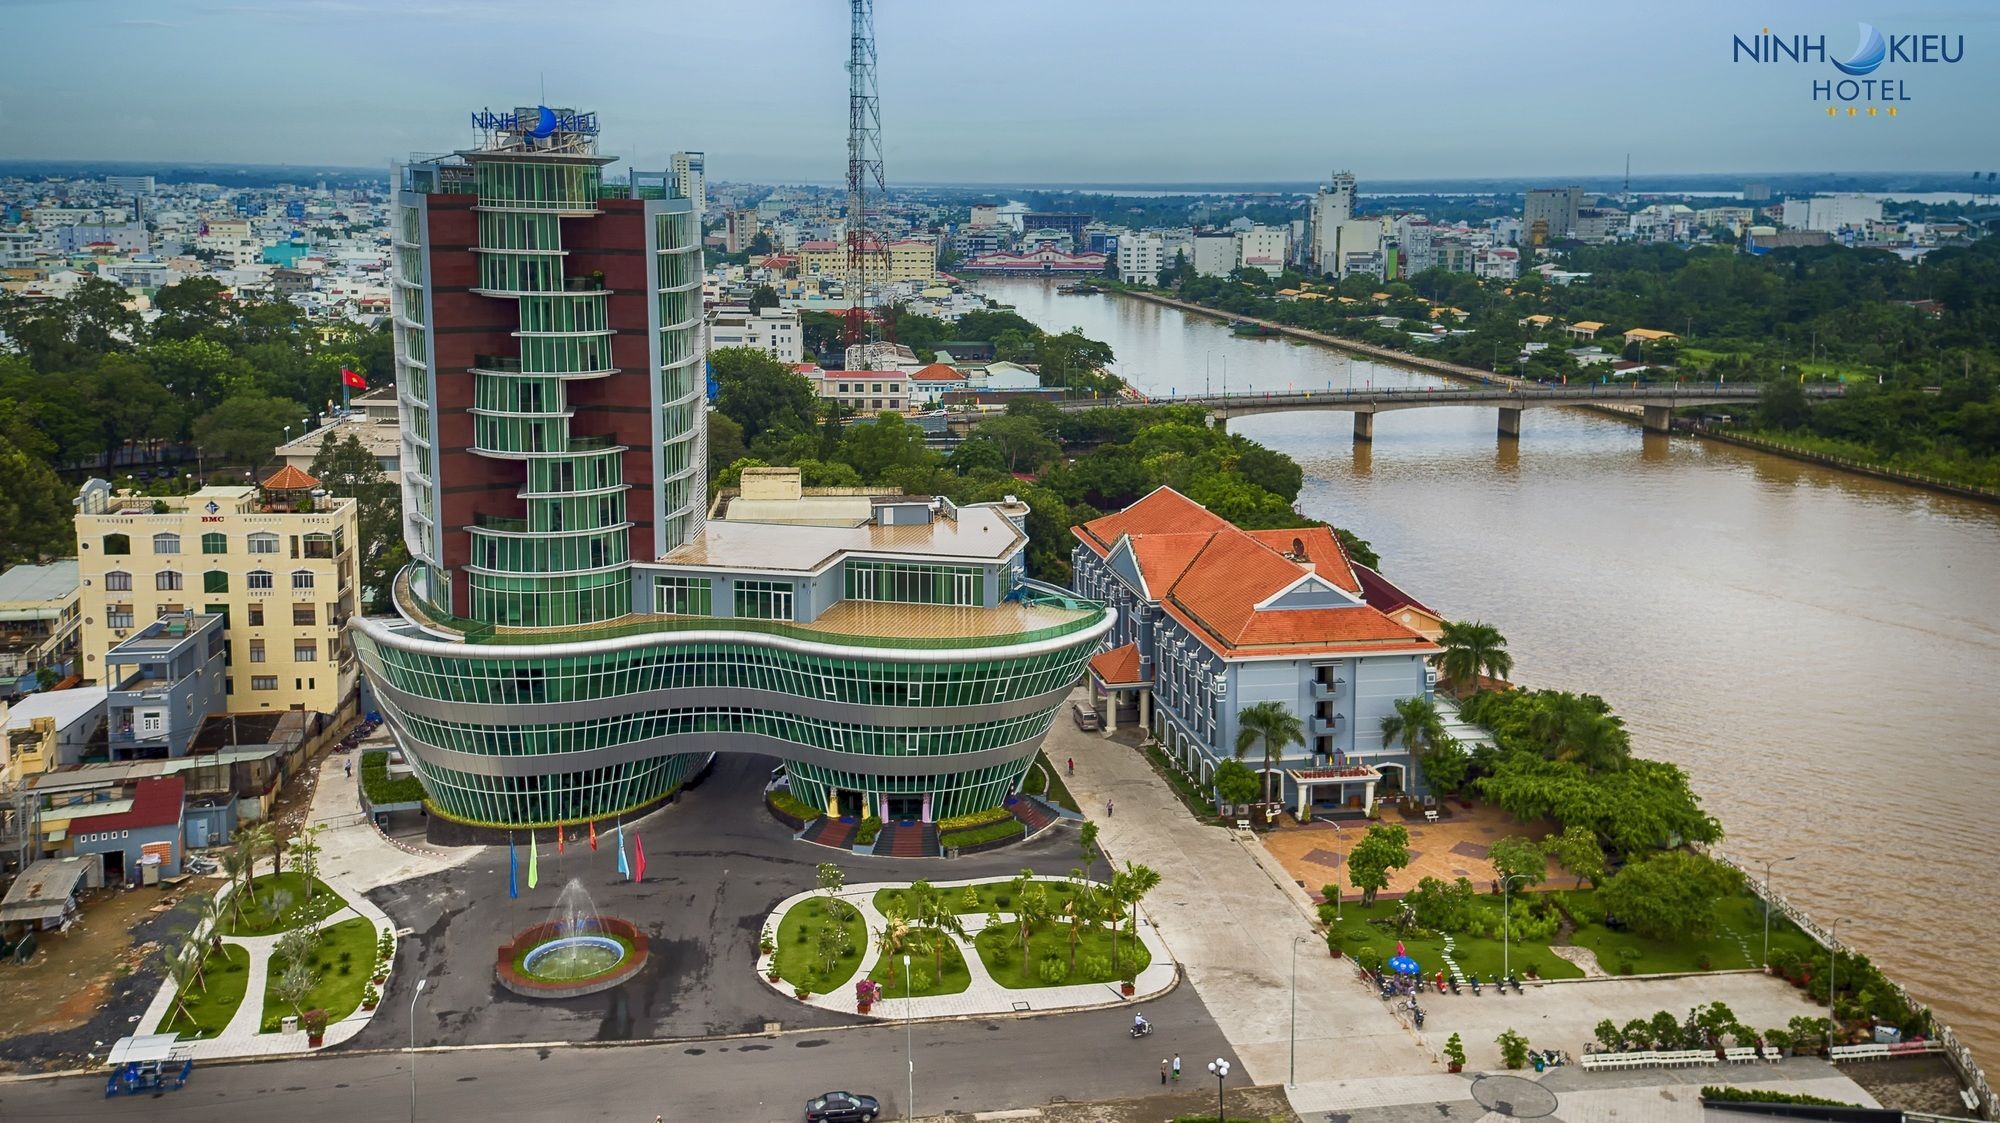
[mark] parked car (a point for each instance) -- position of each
(1086, 718)
(842, 1107)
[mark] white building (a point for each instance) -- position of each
(1358, 247)
(1332, 205)
(1832, 213)
(690, 172)
(1214, 255)
(774, 331)
(1262, 247)
(1413, 239)
(1141, 257)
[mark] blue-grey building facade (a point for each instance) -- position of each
(161, 683)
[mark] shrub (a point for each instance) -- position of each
(1003, 900)
(1454, 1050)
(1053, 970)
(865, 835)
(1370, 959)
(784, 802)
(1606, 1033)
(1095, 966)
(959, 839)
(380, 788)
(1513, 1048)
(975, 819)
(1765, 1096)
(346, 968)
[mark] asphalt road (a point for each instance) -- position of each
(972, 1065)
(715, 864)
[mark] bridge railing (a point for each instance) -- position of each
(1586, 392)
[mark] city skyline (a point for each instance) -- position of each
(319, 83)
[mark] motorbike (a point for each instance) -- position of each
(1454, 985)
(1475, 986)
(1515, 982)
(1141, 1029)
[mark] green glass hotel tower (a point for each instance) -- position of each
(575, 634)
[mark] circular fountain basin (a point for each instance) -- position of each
(550, 961)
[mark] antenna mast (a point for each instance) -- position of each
(864, 164)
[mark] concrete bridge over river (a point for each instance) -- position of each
(1654, 403)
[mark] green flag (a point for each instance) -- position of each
(531, 859)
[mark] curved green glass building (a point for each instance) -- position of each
(579, 627)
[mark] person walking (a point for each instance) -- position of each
(1107, 809)
(348, 764)
(1163, 1070)
(1072, 766)
(1177, 1068)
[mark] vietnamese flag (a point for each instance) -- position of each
(593, 834)
(351, 379)
(639, 853)
(559, 840)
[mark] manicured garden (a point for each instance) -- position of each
(207, 1007)
(1737, 941)
(342, 958)
(925, 977)
(275, 903)
(1044, 780)
(1048, 959)
(987, 896)
(816, 952)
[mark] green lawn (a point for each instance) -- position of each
(1045, 780)
(988, 893)
(1739, 926)
(209, 1010)
(1000, 951)
(338, 994)
(1721, 951)
(889, 972)
(799, 957)
(279, 903)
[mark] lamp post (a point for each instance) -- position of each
(414, 995)
(1768, 863)
(1220, 1068)
(909, 1039)
(1296, 940)
(1207, 358)
(1506, 925)
(1832, 990)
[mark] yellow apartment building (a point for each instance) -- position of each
(907, 259)
(279, 562)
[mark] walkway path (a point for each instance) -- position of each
(354, 850)
(984, 995)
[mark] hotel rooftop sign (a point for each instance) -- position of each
(539, 121)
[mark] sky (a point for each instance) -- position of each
(1004, 91)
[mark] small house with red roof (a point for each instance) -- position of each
(1213, 619)
(130, 833)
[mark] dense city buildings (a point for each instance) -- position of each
(277, 564)
(774, 331)
(1555, 207)
(39, 625)
(576, 633)
(690, 172)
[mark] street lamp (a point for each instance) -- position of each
(1768, 863)
(1506, 926)
(1207, 358)
(414, 995)
(1296, 940)
(910, 1108)
(1832, 990)
(1220, 1068)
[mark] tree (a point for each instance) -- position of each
(1031, 906)
(1277, 727)
(763, 296)
(830, 881)
(1417, 723)
(1086, 845)
(1576, 850)
(1137, 882)
(761, 393)
(236, 864)
(1235, 783)
(1473, 649)
(1385, 847)
(244, 429)
(183, 970)
(347, 469)
(305, 856)
(1669, 896)
(36, 520)
(1021, 443)
(1519, 858)
(873, 448)
(1446, 765)
(295, 985)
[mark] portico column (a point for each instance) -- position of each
(1305, 790)
(1110, 711)
(1368, 798)
(1145, 708)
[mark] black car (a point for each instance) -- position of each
(842, 1107)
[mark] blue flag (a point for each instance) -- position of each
(513, 869)
(622, 867)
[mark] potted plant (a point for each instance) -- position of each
(866, 992)
(1454, 1053)
(802, 992)
(1333, 944)
(765, 944)
(371, 997)
(314, 1021)
(1128, 981)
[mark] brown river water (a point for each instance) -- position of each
(1810, 645)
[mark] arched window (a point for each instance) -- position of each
(115, 544)
(302, 580)
(215, 581)
(118, 581)
(258, 579)
(167, 581)
(263, 542)
(166, 542)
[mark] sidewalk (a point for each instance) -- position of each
(354, 850)
(983, 995)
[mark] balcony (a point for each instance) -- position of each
(498, 364)
(506, 524)
(1324, 726)
(1327, 691)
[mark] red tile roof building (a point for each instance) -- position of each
(1213, 618)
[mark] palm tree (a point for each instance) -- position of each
(236, 864)
(1276, 726)
(1596, 741)
(1471, 649)
(183, 972)
(1137, 882)
(208, 913)
(1416, 723)
(254, 840)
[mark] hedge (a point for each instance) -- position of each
(783, 801)
(380, 788)
(1712, 1094)
(865, 834)
(975, 819)
(958, 840)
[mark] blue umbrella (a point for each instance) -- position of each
(1404, 965)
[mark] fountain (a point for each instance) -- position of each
(575, 951)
